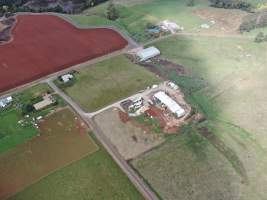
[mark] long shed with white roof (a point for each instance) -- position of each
(170, 103)
(148, 53)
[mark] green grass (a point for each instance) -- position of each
(150, 122)
(175, 164)
(109, 81)
(95, 177)
(11, 132)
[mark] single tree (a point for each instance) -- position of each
(259, 37)
(112, 12)
(190, 3)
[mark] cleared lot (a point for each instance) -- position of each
(109, 81)
(63, 140)
(129, 140)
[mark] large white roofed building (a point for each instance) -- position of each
(170, 103)
(148, 53)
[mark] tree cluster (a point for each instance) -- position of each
(253, 21)
(232, 4)
(260, 37)
(13, 6)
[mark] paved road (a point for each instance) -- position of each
(136, 180)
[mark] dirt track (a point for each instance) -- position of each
(44, 44)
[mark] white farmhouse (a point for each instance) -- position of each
(148, 53)
(66, 78)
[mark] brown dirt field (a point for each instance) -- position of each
(60, 144)
(227, 21)
(44, 44)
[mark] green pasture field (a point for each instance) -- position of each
(225, 81)
(107, 82)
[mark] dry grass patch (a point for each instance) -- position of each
(227, 21)
(130, 140)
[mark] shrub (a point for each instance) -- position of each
(190, 3)
(259, 37)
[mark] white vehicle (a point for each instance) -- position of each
(172, 85)
(154, 86)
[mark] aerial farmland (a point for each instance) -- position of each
(133, 99)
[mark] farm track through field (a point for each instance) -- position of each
(245, 37)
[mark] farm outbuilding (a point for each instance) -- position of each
(170, 103)
(148, 53)
(47, 100)
(5, 101)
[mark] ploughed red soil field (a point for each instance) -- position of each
(44, 44)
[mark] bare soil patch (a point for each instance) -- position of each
(61, 142)
(162, 67)
(227, 21)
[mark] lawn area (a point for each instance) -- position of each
(109, 81)
(11, 132)
(133, 19)
(226, 81)
(95, 177)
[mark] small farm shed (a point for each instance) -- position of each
(148, 53)
(5, 101)
(47, 100)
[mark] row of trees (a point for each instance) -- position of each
(13, 6)
(232, 4)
